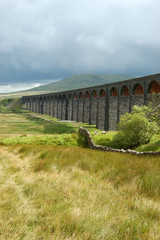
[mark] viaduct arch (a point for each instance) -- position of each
(100, 105)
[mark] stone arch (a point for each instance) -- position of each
(125, 91)
(64, 96)
(87, 95)
(94, 94)
(75, 95)
(102, 93)
(70, 96)
(113, 92)
(138, 89)
(154, 87)
(80, 95)
(59, 96)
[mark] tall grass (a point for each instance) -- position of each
(76, 193)
(116, 167)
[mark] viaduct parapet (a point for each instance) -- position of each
(100, 105)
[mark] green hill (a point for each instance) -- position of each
(80, 81)
(69, 83)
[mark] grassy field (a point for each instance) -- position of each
(25, 123)
(61, 193)
(28, 128)
(50, 188)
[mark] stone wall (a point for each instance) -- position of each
(85, 133)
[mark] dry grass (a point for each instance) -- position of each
(61, 193)
(12, 117)
(66, 193)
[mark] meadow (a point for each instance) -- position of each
(53, 187)
(27, 128)
(31, 128)
(50, 192)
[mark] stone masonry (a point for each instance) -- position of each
(100, 105)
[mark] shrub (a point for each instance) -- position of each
(152, 111)
(134, 129)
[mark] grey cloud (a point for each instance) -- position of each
(42, 39)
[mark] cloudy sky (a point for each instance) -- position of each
(45, 40)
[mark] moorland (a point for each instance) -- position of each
(53, 187)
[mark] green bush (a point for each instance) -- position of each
(134, 129)
(152, 111)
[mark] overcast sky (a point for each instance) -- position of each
(43, 40)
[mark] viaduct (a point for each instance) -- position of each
(101, 105)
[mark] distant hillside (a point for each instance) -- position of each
(80, 81)
(72, 82)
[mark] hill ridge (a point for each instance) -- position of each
(81, 81)
(71, 83)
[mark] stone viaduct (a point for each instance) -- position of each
(100, 105)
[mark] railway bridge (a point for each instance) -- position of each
(100, 105)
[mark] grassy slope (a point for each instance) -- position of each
(73, 82)
(61, 193)
(153, 145)
(80, 81)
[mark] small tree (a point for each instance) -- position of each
(134, 129)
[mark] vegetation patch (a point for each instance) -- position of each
(60, 193)
(52, 189)
(55, 140)
(152, 146)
